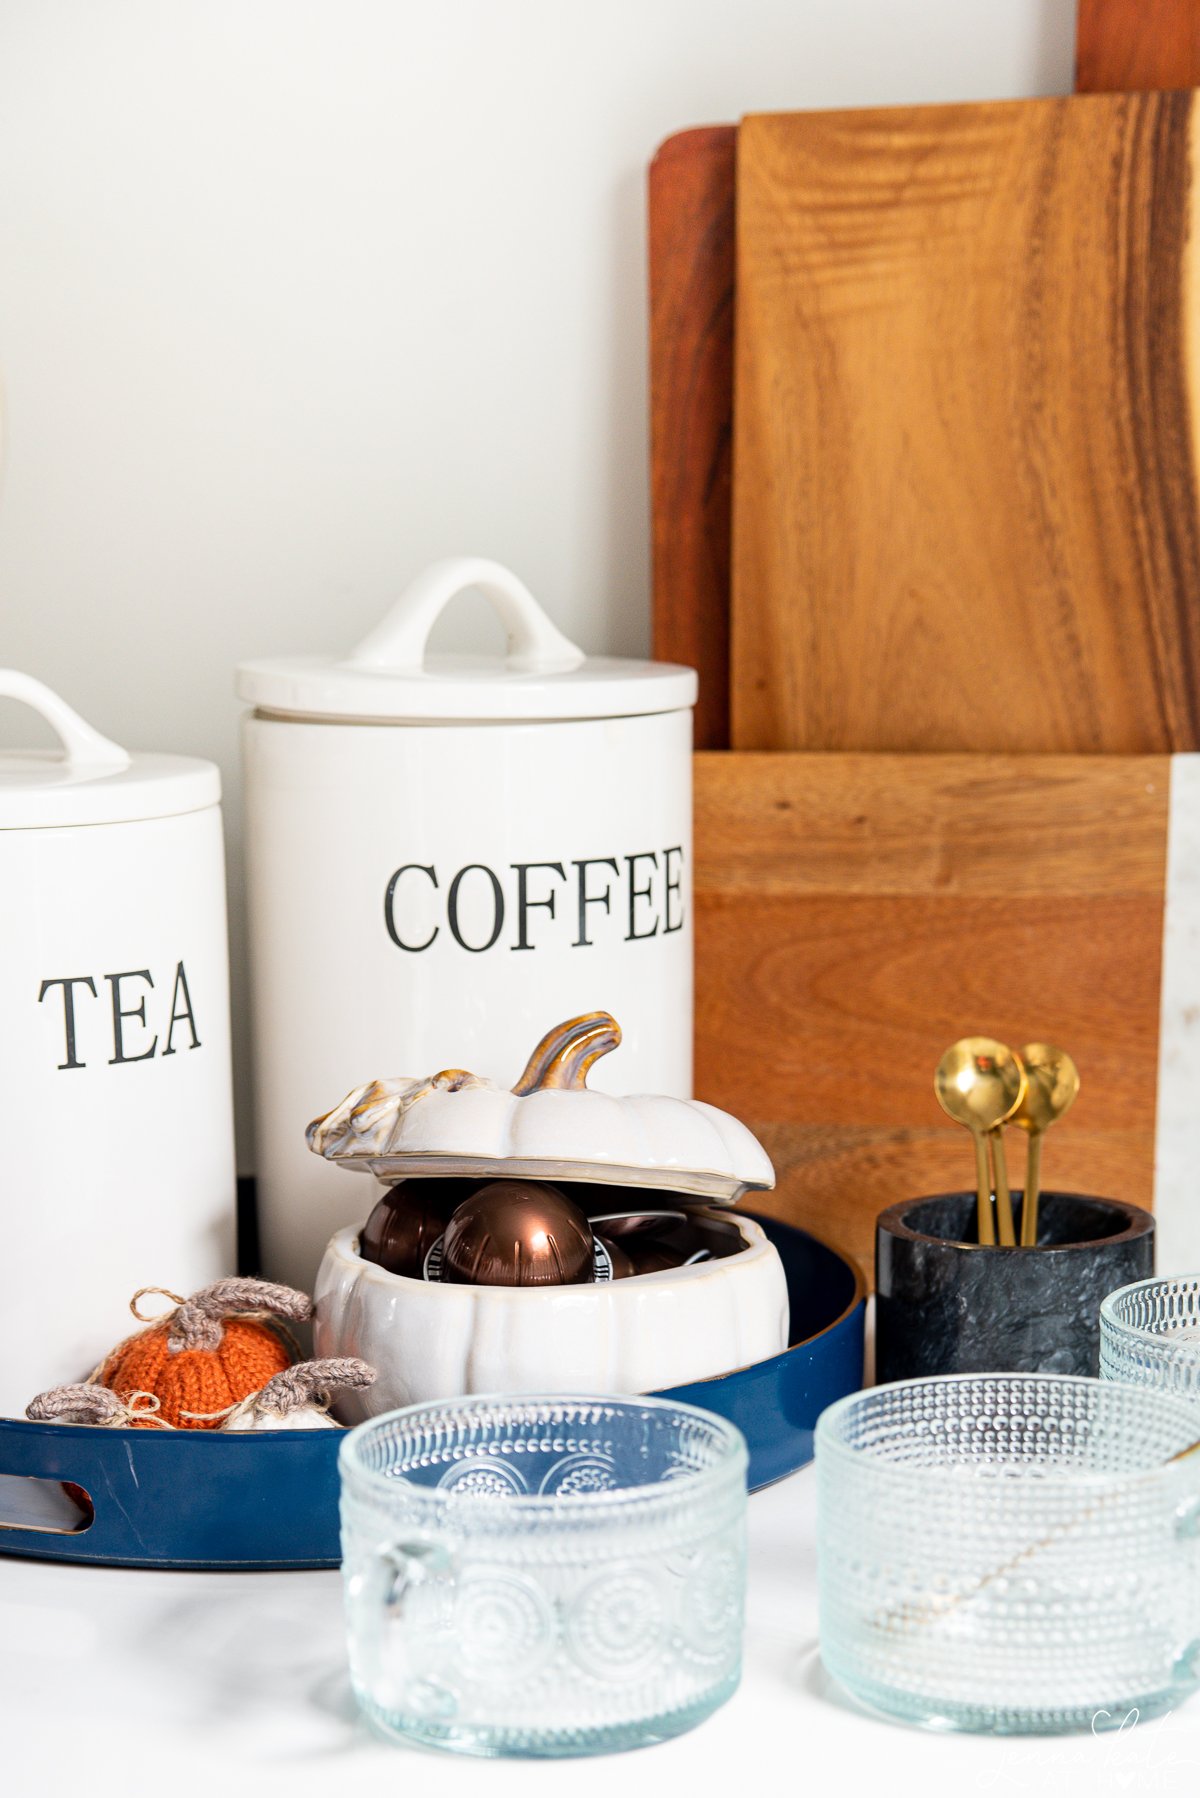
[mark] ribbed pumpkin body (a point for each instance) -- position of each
(196, 1380)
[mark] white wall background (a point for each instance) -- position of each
(296, 295)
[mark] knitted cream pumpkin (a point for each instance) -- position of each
(299, 1398)
(213, 1351)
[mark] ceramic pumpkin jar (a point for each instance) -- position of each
(433, 1338)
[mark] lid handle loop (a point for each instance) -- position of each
(398, 643)
(85, 747)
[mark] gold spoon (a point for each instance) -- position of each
(1051, 1083)
(979, 1083)
(931, 1609)
(1004, 1211)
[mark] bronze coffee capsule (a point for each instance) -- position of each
(620, 1262)
(407, 1222)
(654, 1240)
(647, 1241)
(641, 1222)
(518, 1233)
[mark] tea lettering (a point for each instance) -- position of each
(129, 1026)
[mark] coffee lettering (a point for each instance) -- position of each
(524, 902)
(68, 984)
(452, 908)
(120, 1012)
(633, 934)
(389, 907)
(674, 889)
(583, 940)
(178, 1016)
(642, 895)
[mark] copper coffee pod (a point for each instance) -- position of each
(407, 1222)
(621, 1263)
(636, 1241)
(518, 1233)
(628, 1222)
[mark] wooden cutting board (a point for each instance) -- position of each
(855, 914)
(1121, 44)
(965, 498)
(691, 203)
(690, 206)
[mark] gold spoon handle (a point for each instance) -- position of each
(983, 1188)
(1029, 1209)
(930, 1609)
(1004, 1215)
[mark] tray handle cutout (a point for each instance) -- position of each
(52, 1507)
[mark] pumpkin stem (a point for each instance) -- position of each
(199, 1321)
(75, 1404)
(96, 1405)
(313, 1382)
(564, 1055)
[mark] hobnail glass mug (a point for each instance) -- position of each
(1150, 1335)
(1010, 1552)
(543, 1575)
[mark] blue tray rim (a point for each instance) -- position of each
(322, 1444)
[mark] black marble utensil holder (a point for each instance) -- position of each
(945, 1305)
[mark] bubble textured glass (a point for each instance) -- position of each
(544, 1576)
(1010, 1552)
(1150, 1336)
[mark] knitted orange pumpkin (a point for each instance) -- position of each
(214, 1350)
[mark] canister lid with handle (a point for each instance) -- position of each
(91, 780)
(390, 677)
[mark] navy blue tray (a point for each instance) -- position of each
(776, 1403)
(200, 1499)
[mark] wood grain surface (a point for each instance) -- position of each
(855, 914)
(965, 513)
(1120, 45)
(1125, 44)
(691, 224)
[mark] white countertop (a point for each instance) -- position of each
(117, 1681)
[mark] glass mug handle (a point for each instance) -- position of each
(408, 1592)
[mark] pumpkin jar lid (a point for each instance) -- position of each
(549, 1126)
(389, 678)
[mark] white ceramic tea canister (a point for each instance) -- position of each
(117, 1156)
(444, 851)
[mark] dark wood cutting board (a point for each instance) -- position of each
(965, 506)
(1125, 44)
(691, 232)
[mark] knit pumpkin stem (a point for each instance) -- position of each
(199, 1321)
(97, 1405)
(75, 1404)
(313, 1382)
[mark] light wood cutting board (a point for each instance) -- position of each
(965, 494)
(856, 913)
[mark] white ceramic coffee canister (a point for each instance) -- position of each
(117, 1156)
(443, 852)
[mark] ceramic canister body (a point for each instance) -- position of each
(438, 894)
(115, 1074)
